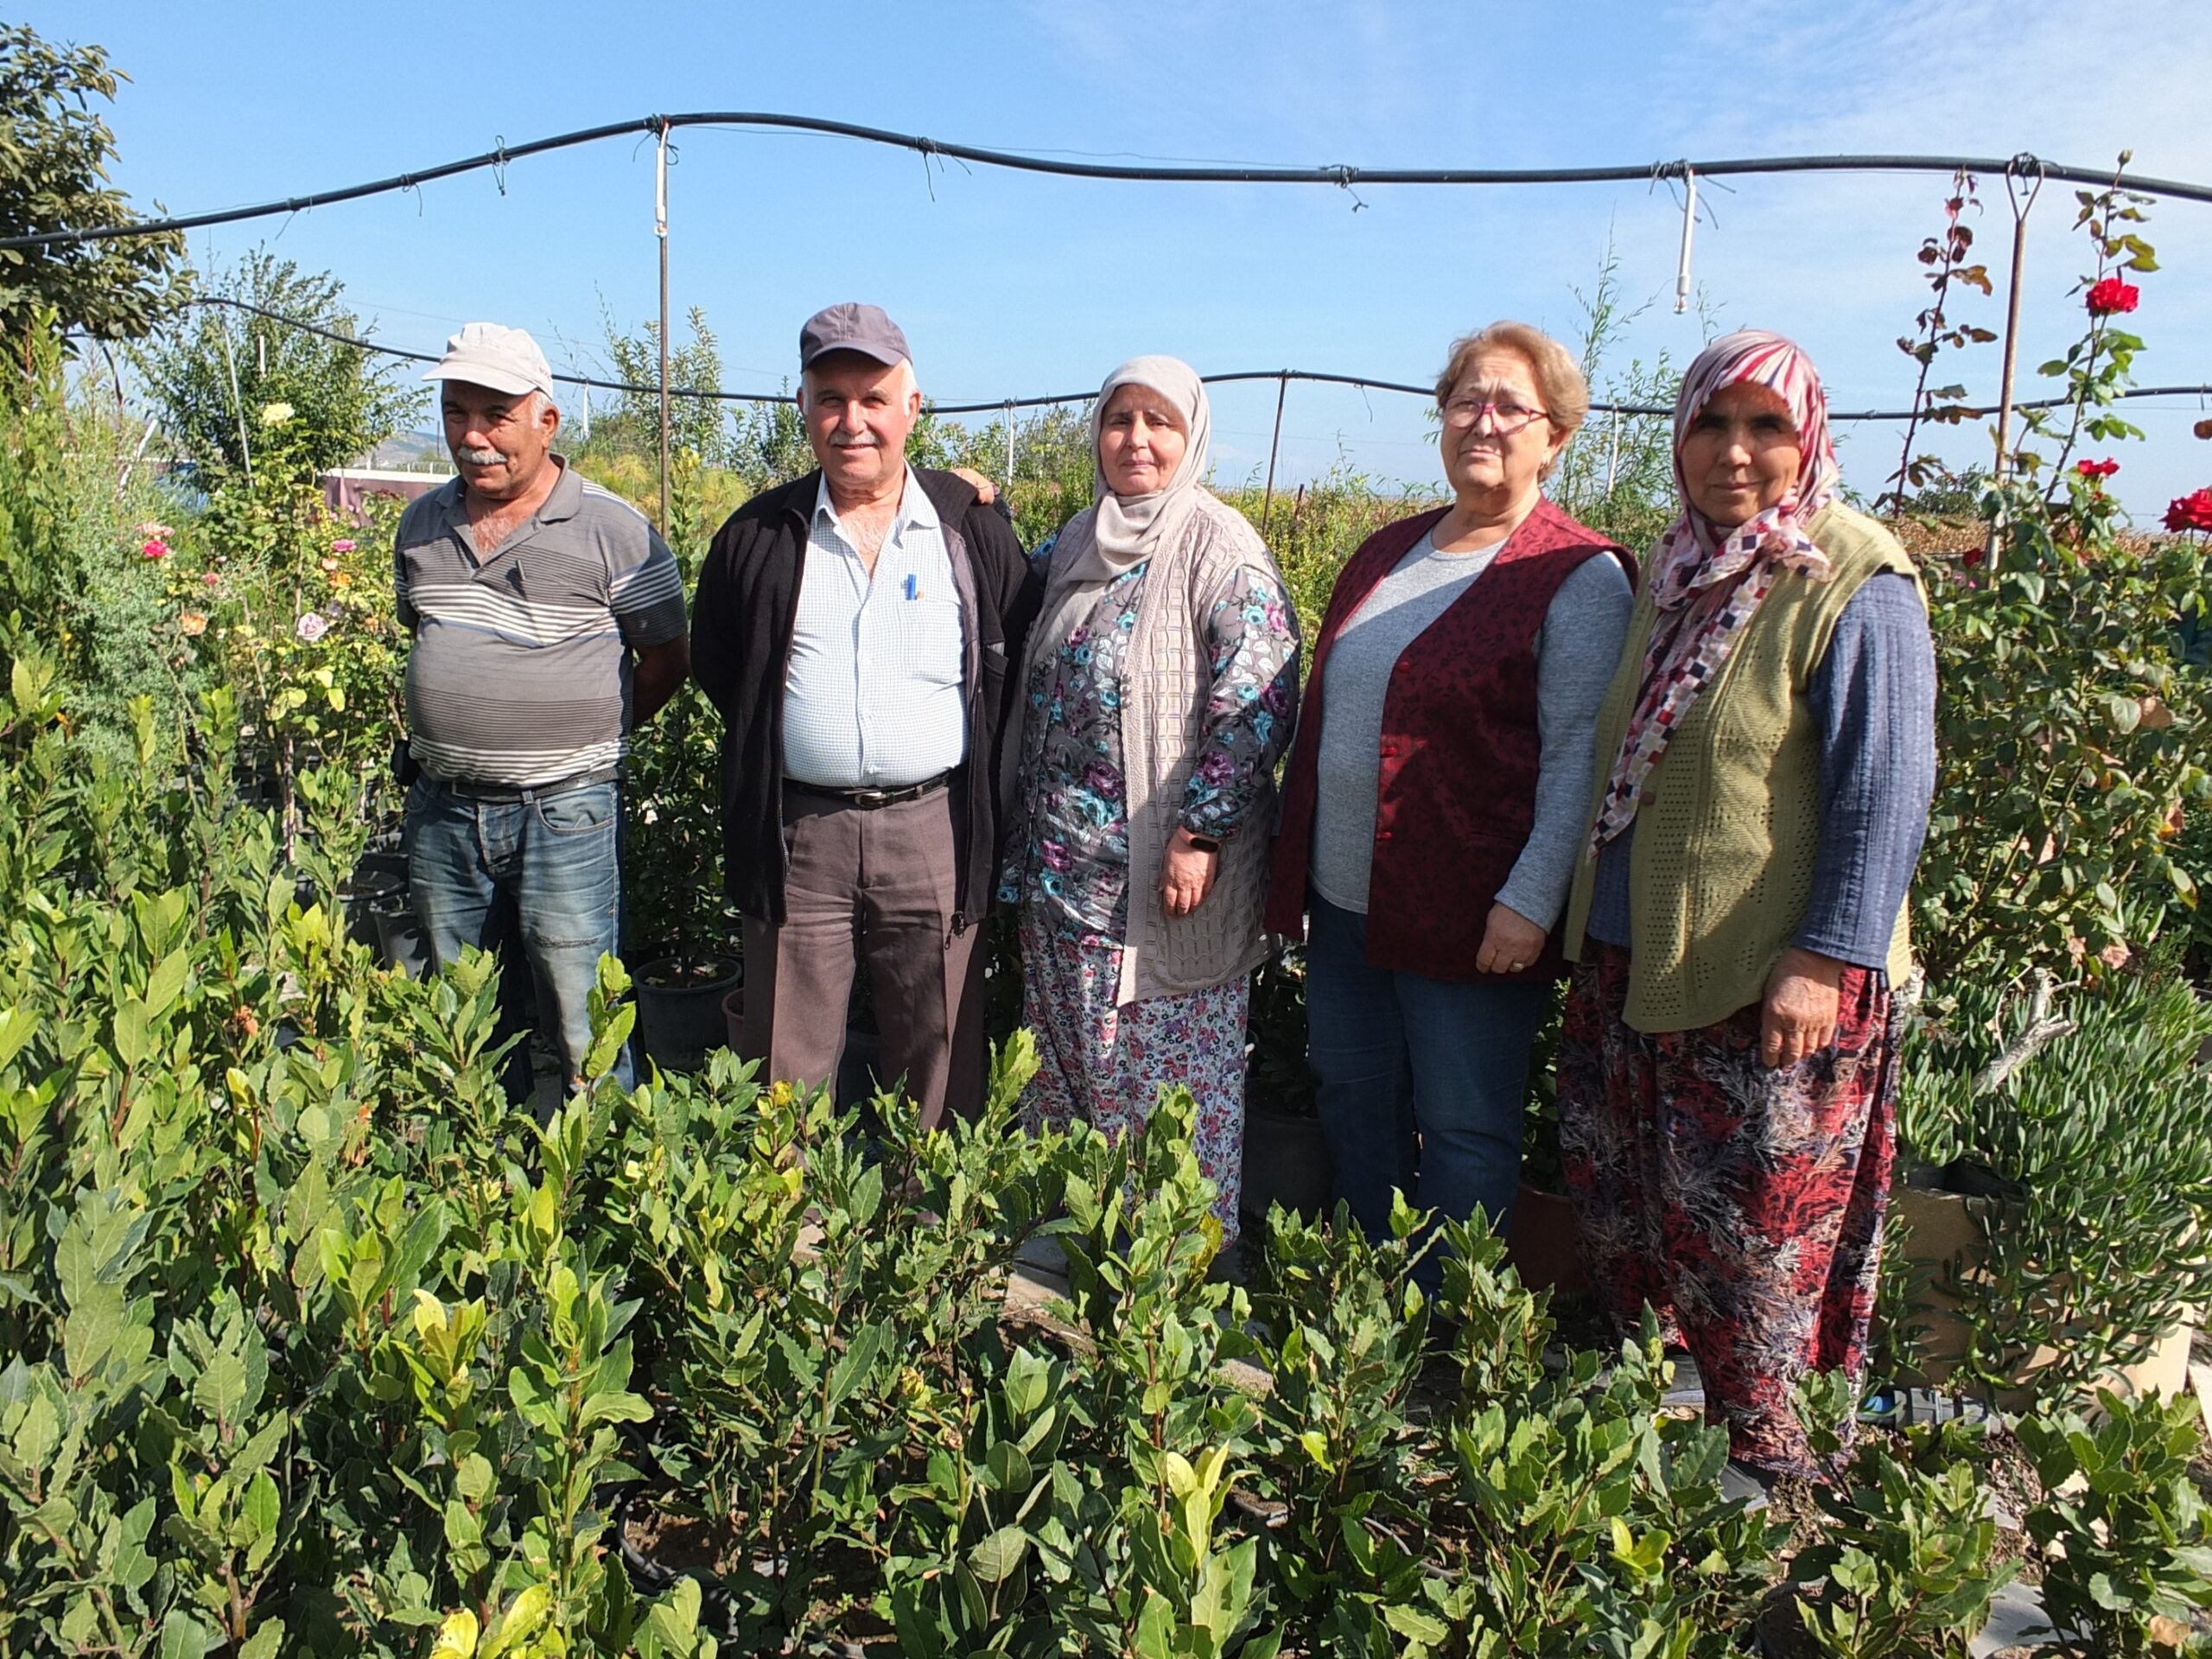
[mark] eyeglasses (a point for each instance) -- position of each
(1505, 418)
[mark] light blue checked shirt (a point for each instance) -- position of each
(873, 697)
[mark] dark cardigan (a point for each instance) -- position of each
(741, 623)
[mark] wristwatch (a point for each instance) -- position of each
(1203, 843)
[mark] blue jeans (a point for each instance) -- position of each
(1422, 1081)
(543, 872)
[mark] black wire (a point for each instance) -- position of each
(1339, 176)
(1316, 376)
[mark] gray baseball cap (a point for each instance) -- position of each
(488, 354)
(852, 326)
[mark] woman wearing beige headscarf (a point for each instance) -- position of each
(1162, 683)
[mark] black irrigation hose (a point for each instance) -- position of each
(1343, 177)
(1003, 404)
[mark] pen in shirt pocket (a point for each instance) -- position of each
(913, 589)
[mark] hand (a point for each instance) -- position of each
(1798, 1018)
(986, 492)
(1510, 941)
(1186, 874)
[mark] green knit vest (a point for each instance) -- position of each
(1728, 822)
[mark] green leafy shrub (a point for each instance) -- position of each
(1908, 1563)
(2127, 1537)
(2090, 1152)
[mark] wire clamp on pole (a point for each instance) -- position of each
(499, 161)
(1689, 231)
(660, 184)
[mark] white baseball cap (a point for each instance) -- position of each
(490, 355)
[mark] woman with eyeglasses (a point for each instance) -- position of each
(1435, 797)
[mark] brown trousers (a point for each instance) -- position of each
(879, 881)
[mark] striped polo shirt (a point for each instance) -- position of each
(520, 670)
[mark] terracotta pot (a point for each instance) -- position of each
(680, 1013)
(1945, 1237)
(1542, 1243)
(1285, 1162)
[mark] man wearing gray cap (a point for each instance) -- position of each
(547, 623)
(861, 630)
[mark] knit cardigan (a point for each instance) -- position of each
(1163, 729)
(1727, 824)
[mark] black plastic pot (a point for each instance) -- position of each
(370, 891)
(401, 941)
(680, 1016)
(1286, 1162)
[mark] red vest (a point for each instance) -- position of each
(1456, 780)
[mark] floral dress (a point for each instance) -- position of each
(1101, 1061)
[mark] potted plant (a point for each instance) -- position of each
(2055, 1178)
(1545, 1246)
(677, 927)
(1286, 1157)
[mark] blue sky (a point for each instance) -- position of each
(1008, 284)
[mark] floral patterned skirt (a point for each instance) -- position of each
(1106, 1064)
(1742, 1203)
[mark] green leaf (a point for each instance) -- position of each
(184, 1636)
(1010, 1469)
(17, 1027)
(166, 982)
(616, 1407)
(993, 1559)
(221, 1391)
(854, 1367)
(133, 1041)
(265, 1642)
(261, 1506)
(1415, 1625)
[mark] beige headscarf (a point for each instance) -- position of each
(1120, 531)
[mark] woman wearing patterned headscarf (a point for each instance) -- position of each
(1765, 758)
(1162, 686)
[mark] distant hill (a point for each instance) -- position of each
(424, 451)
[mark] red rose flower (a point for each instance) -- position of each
(2192, 512)
(2104, 468)
(2112, 295)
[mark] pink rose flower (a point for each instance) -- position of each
(155, 547)
(312, 626)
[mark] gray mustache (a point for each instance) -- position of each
(478, 457)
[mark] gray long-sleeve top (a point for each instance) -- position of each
(1873, 700)
(1577, 648)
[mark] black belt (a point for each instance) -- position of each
(868, 799)
(513, 794)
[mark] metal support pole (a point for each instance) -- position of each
(237, 406)
(2017, 168)
(660, 230)
(1268, 507)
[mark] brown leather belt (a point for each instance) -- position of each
(868, 799)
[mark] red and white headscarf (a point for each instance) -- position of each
(1708, 583)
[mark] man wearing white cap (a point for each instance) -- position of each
(859, 628)
(548, 621)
